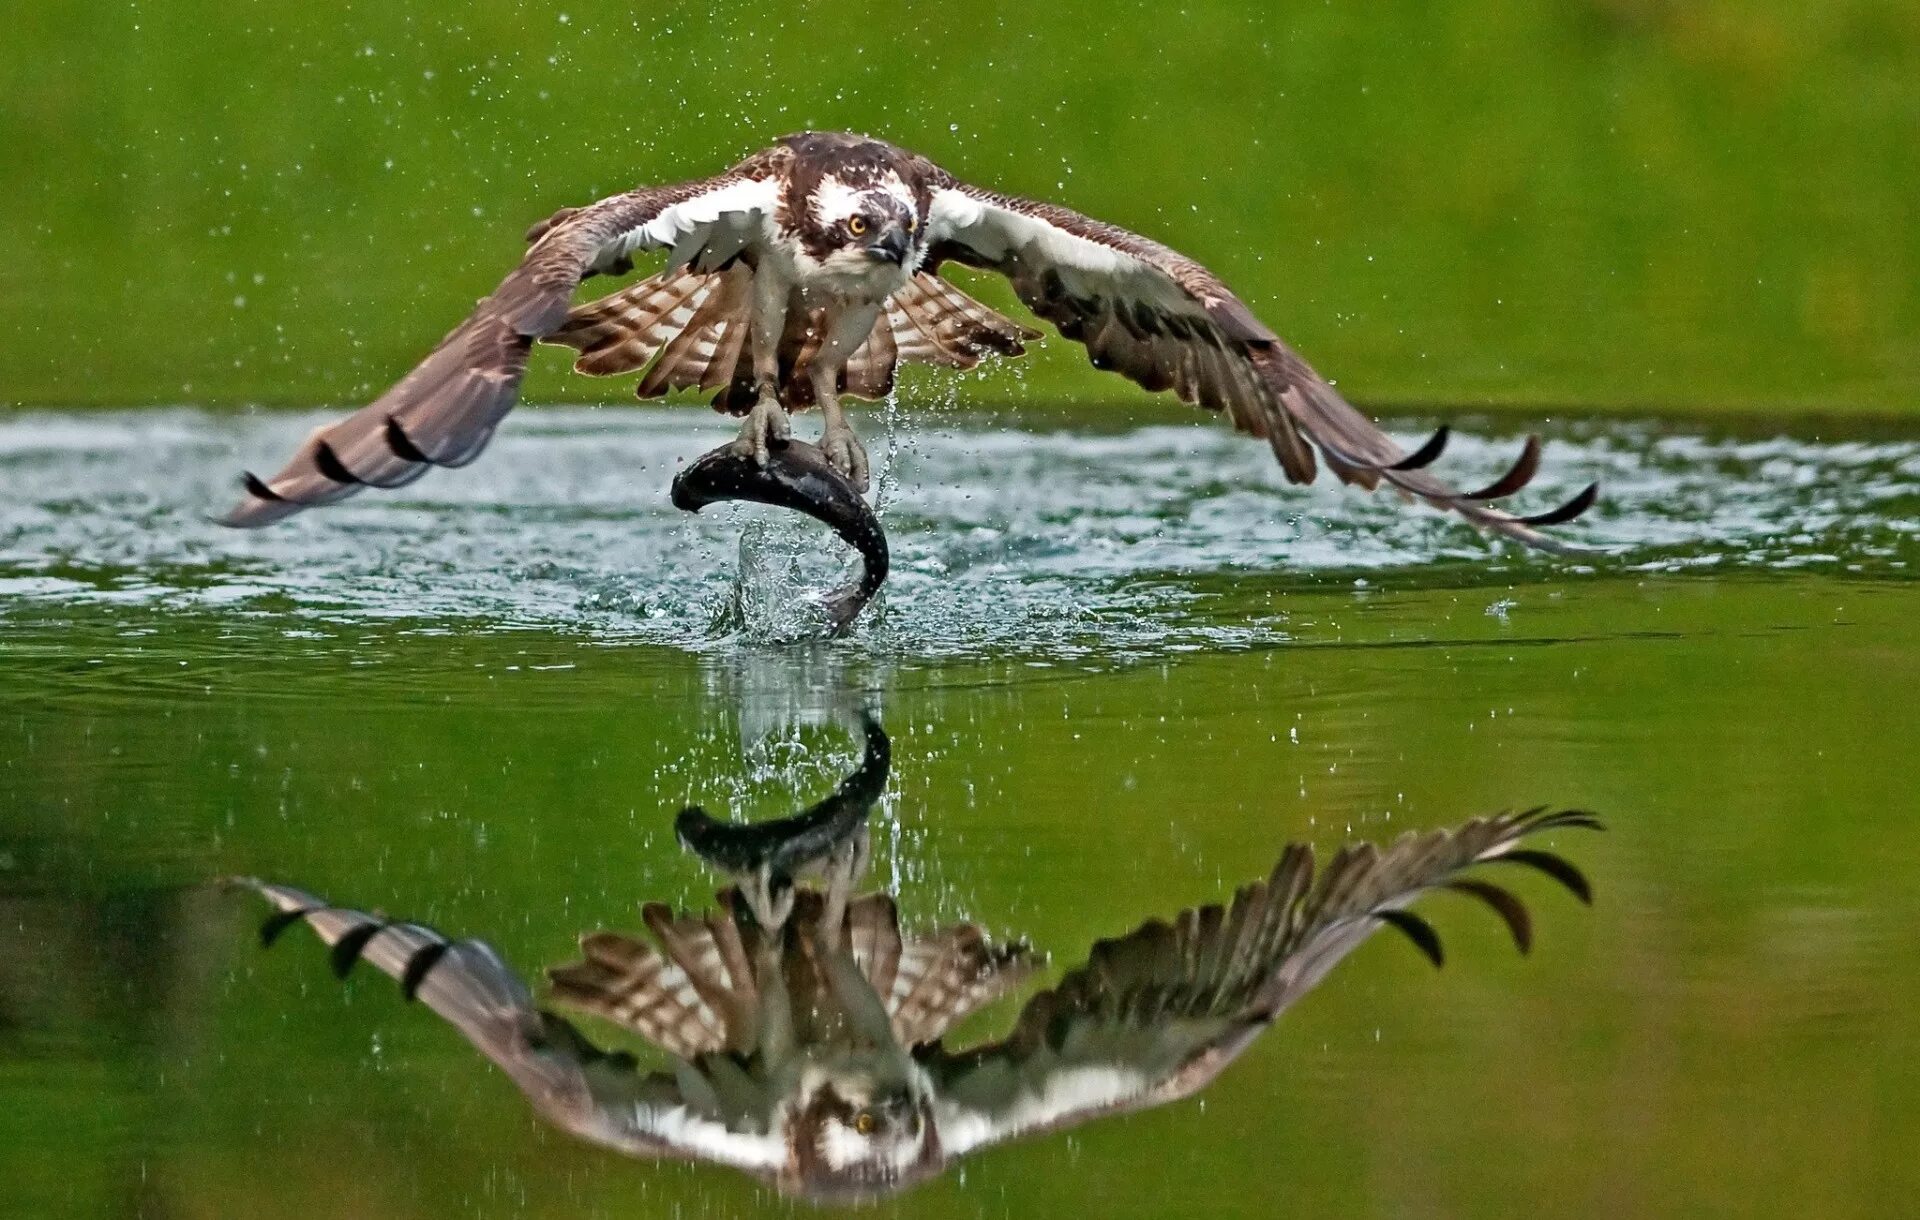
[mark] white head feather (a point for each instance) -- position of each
(834, 200)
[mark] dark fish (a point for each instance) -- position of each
(787, 846)
(796, 476)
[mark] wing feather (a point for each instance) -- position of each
(687, 359)
(694, 994)
(622, 333)
(929, 321)
(1155, 1015)
(569, 1081)
(942, 979)
(869, 372)
(1164, 321)
(445, 411)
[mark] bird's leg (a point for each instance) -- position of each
(773, 1017)
(837, 441)
(766, 426)
(833, 949)
(845, 867)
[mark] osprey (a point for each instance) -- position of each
(810, 271)
(806, 1027)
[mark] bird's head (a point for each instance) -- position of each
(853, 1135)
(860, 225)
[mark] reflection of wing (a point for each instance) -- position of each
(573, 1084)
(930, 983)
(695, 993)
(1164, 321)
(445, 411)
(1154, 1016)
(696, 990)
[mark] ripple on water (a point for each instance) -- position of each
(1063, 543)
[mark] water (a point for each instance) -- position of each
(1121, 668)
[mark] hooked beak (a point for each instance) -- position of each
(891, 246)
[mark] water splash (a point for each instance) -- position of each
(1061, 544)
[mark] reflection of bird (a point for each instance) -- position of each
(811, 270)
(810, 1054)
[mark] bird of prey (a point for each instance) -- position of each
(805, 1027)
(811, 271)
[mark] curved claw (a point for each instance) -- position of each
(1518, 475)
(1428, 453)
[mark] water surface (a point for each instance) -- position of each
(1121, 669)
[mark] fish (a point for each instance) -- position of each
(796, 476)
(786, 847)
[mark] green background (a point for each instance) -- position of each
(1727, 1032)
(1618, 203)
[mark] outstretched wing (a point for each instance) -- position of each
(573, 1084)
(444, 412)
(1166, 322)
(1155, 1016)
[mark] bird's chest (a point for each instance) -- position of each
(838, 281)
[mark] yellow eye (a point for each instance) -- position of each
(913, 224)
(863, 1121)
(857, 225)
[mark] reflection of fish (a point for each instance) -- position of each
(797, 476)
(809, 1050)
(778, 851)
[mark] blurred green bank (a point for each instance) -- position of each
(1601, 204)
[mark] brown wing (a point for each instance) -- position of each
(1165, 322)
(570, 1082)
(688, 329)
(444, 412)
(1154, 1016)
